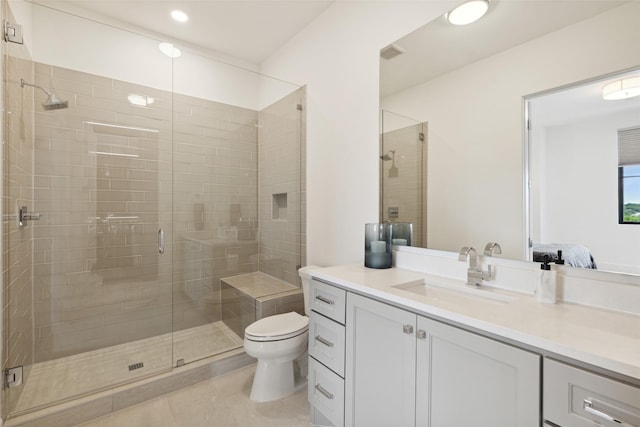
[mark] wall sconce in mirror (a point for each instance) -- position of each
(468, 12)
(622, 89)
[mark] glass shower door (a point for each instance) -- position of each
(90, 284)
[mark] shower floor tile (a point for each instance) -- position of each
(68, 377)
(220, 401)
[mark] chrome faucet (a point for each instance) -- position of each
(475, 275)
(492, 248)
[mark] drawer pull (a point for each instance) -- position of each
(325, 300)
(407, 329)
(324, 391)
(587, 405)
(324, 341)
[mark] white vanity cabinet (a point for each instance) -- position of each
(402, 369)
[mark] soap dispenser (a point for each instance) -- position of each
(546, 288)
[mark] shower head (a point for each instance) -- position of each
(52, 102)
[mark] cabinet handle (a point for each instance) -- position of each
(587, 405)
(421, 334)
(324, 341)
(324, 391)
(407, 329)
(324, 300)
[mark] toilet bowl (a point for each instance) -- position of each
(277, 341)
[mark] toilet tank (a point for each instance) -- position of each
(305, 276)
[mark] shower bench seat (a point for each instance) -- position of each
(252, 296)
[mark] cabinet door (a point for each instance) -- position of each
(380, 364)
(464, 379)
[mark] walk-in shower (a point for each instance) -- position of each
(144, 207)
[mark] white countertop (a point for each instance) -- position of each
(602, 338)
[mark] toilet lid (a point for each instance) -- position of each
(277, 327)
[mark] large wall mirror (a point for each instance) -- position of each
(469, 89)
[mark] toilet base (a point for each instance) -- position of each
(275, 380)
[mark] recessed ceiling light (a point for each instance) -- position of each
(622, 89)
(170, 50)
(179, 16)
(468, 12)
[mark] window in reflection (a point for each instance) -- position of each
(629, 194)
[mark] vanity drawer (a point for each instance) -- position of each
(326, 342)
(326, 392)
(327, 300)
(574, 397)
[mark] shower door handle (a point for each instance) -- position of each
(161, 241)
(24, 215)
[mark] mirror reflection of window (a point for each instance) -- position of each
(629, 176)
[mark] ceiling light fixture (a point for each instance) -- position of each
(622, 89)
(179, 16)
(170, 50)
(468, 12)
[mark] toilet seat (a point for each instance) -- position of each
(277, 327)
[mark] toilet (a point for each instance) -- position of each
(277, 341)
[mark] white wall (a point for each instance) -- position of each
(337, 57)
(475, 117)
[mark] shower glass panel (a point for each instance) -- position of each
(89, 291)
(403, 173)
(237, 142)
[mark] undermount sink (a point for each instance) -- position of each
(422, 288)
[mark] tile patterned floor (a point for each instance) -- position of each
(219, 402)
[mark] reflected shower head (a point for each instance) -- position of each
(386, 156)
(391, 155)
(52, 102)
